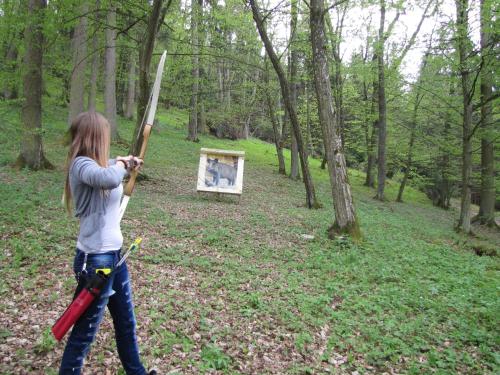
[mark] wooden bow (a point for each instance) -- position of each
(151, 111)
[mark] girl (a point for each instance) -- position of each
(94, 186)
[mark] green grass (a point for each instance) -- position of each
(229, 287)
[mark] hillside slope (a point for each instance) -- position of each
(233, 287)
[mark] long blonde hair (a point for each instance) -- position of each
(89, 135)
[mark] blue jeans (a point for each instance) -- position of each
(117, 295)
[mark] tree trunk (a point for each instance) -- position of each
(294, 158)
(77, 83)
(249, 105)
(110, 72)
(145, 54)
(445, 185)
(371, 141)
(487, 205)
(310, 148)
(338, 82)
(94, 72)
(442, 188)
(129, 108)
(284, 122)
(220, 80)
(94, 69)
(382, 106)
(10, 86)
(202, 118)
(277, 136)
(413, 127)
(32, 155)
(345, 213)
(368, 117)
(410, 155)
(202, 72)
(311, 201)
(244, 132)
(462, 27)
(283, 125)
(294, 151)
(227, 87)
(276, 131)
(195, 74)
(121, 81)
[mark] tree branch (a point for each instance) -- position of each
(334, 5)
(414, 35)
(491, 98)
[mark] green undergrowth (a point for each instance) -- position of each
(223, 283)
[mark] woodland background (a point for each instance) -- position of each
(396, 100)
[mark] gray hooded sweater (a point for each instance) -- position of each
(88, 182)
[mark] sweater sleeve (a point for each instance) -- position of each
(89, 172)
(113, 162)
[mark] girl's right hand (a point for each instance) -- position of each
(136, 163)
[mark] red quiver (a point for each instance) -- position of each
(79, 305)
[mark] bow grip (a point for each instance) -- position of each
(129, 187)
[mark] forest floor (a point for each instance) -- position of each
(226, 286)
